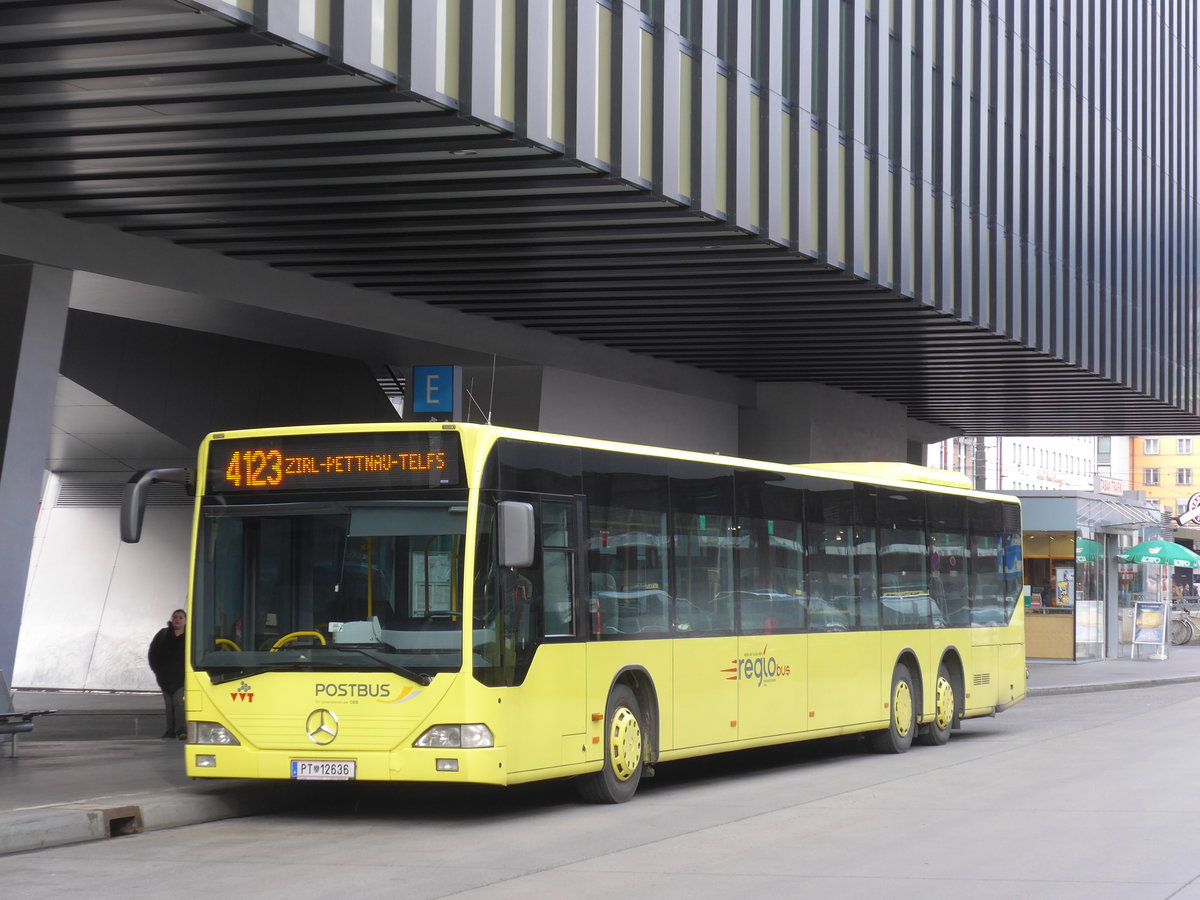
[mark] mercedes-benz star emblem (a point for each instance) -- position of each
(321, 726)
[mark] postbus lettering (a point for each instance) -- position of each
(344, 689)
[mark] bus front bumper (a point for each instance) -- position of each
(474, 766)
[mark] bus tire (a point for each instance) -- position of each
(624, 741)
(902, 716)
(945, 708)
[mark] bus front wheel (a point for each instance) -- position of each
(902, 719)
(624, 751)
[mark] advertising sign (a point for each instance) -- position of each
(1192, 513)
(1150, 621)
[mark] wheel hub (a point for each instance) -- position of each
(902, 708)
(625, 744)
(944, 704)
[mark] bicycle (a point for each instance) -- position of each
(1183, 629)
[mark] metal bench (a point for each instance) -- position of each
(12, 722)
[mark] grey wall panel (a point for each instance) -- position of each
(627, 93)
(667, 104)
(574, 403)
(704, 114)
(582, 69)
(187, 383)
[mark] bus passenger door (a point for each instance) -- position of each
(844, 679)
(772, 682)
(548, 711)
(706, 691)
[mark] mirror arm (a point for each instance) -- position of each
(133, 498)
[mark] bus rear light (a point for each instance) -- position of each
(466, 736)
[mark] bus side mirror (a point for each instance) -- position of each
(516, 531)
(133, 500)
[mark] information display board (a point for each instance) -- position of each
(414, 459)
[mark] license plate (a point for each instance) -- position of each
(323, 769)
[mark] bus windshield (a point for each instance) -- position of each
(329, 586)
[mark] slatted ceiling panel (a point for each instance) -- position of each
(180, 124)
(77, 494)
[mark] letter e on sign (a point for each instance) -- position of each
(435, 391)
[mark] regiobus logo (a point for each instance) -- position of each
(757, 667)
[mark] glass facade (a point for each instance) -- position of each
(1080, 600)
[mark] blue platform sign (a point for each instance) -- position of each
(437, 391)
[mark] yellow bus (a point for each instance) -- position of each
(468, 603)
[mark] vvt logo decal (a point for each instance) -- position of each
(757, 667)
(245, 693)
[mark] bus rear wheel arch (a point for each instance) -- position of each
(625, 737)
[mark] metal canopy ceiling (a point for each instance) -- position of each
(155, 119)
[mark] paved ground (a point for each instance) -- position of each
(97, 768)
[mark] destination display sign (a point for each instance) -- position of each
(334, 462)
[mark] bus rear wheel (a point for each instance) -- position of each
(937, 732)
(902, 721)
(624, 751)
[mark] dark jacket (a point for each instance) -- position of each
(166, 659)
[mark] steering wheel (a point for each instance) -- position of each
(227, 644)
(296, 635)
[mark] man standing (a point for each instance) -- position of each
(166, 661)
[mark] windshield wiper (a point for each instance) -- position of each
(421, 678)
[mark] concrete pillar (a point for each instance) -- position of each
(803, 422)
(33, 317)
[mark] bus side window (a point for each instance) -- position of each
(769, 546)
(626, 540)
(558, 570)
(702, 521)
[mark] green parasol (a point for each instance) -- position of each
(1086, 550)
(1162, 553)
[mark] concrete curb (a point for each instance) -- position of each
(1095, 687)
(91, 820)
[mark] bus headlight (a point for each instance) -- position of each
(210, 733)
(456, 736)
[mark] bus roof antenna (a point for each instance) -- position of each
(492, 395)
(475, 403)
